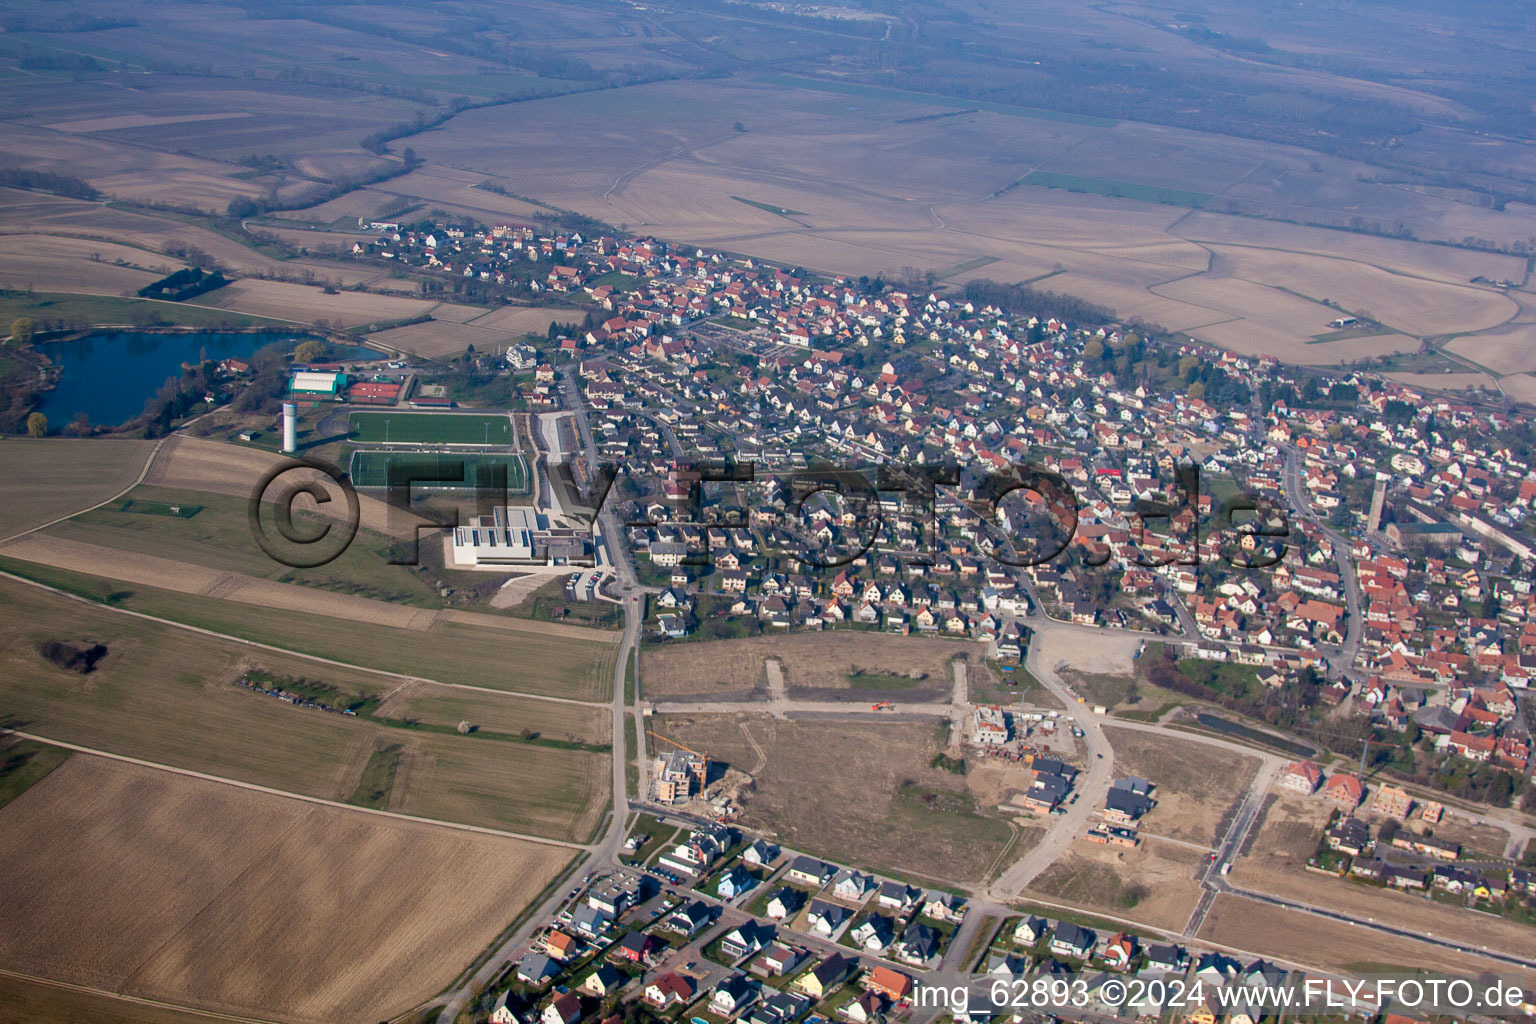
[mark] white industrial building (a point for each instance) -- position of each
(516, 535)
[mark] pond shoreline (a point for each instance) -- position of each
(136, 372)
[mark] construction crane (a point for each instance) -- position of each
(659, 736)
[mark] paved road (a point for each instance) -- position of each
(1213, 880)
(1090, 786)
(605, 851)
(1343, 656)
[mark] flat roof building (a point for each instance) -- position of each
(516, 535)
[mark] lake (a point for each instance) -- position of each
(110, 375)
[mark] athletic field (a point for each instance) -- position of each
(430, 428)
(371, 469)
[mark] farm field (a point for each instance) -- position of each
(77, 310)
(859, 793)
(814, 666)
(219, 538)
(43, 479)
(49, 263)
(458, 647)
(1275, 863)
(303, 303)
(194, 464)
(431, 428)
(444, 336)
(929, 211)
(1312, 941)
(1154, 884)
(168, 695)
(24, 1001)
(1192, 798)
(302, 912)
(1504, 350)
(436, 705)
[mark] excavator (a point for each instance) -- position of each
(884, 705)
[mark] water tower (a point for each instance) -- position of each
(290, 427)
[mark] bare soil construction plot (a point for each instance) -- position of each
(1107, 653)
(1196, 783)
(1313, 941)
(828, 666)
(43, 479)
(1275, 863)
(1154, 883)
(859, 793)
(300, 912)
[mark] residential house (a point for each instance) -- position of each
(1031, 930)
(919, 944)
(785, 903)
(734, 883)
(604, 981)
(874, 934)
(849, 884)
(866, 1008)
(825, 976)
(897, 896)
(559, 945)
(826, 918)
(892, 983)
(1119, 951)
(590, 921)
(1344, 789)
(634, 947)
(536, 968)
(1125, 806)
(746, 939)
(671, 989)
(779, 960)
(733, 995)
(1301, 778)
(563, 1009)
(1167, 959)
(809, 871)
(689, 917)
(760, 854)
(1070, 940)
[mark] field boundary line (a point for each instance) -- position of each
(137, 1000)
(292, 653)
(143, 473)
(254, 787)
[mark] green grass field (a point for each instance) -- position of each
(23, 764)
(516, 656)
(159, 508)
(49, 309)
(219, 537)
(370, 468)
(431, 428)
(166, 694)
